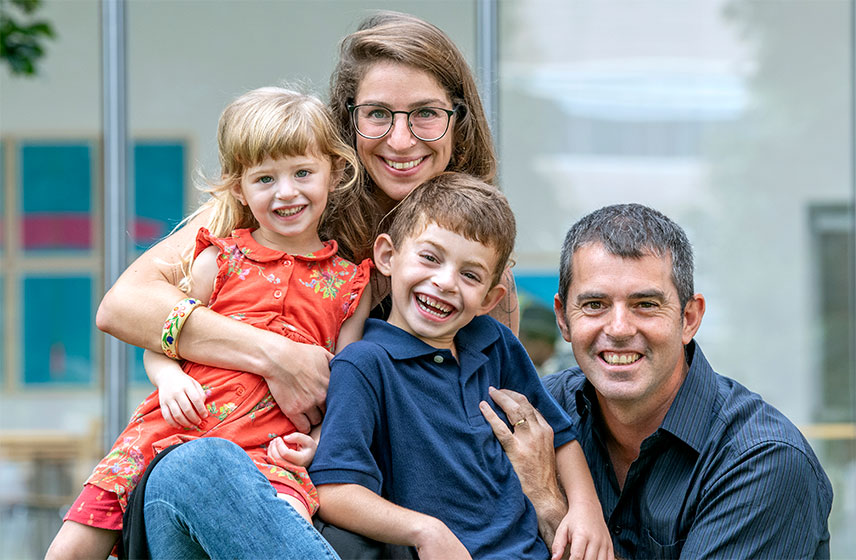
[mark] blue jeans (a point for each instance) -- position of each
(208, 499)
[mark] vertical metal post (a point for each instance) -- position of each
(487, 60)
(853, 205)
(115, 135)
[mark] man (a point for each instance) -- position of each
(687, 463)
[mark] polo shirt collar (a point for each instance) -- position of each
(401, 345)
(686, 418)
(258, 252)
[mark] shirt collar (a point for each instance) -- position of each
(686, 418)
(401, 345)
(253, 249)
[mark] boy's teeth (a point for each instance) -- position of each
(434, 306)
(289, 211)
(403, 164)
(620, 359)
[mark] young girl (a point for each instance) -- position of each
(260, 261)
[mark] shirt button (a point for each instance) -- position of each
(438, 359)
(277, 294)
(239, 390)
(286, 262)
(616, 530)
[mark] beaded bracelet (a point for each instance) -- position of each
(174, 322)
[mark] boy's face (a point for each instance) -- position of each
(440, 281)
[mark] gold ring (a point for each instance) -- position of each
(521, 421)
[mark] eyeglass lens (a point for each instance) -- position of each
(426, 123)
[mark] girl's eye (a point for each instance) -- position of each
(302, 173)
(265, 179)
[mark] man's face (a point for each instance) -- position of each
(625, 323)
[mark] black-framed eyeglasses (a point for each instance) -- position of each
(426, 123)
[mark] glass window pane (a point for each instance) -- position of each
(57, 330)
(56, 196)
(735, 118)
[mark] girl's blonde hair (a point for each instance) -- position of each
(408, 40)
(270, 122)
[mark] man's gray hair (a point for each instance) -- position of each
(631, 231)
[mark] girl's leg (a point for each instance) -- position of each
(207, 497)
(75, 540)
(297, 505)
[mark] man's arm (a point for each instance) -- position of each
(532, 455)
(771, 503)
(358, 509)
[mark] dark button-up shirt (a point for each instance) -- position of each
(725, 476)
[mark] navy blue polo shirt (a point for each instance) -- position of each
(725, 476)
(403, 420)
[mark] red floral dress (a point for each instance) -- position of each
(303, 297)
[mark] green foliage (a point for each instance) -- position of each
(21, 36)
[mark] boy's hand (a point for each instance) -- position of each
(585, 531)
(295, 448)
(182, 400)
(440, 543)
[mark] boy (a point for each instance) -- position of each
(403, 418)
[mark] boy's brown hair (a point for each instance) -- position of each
(463, 204)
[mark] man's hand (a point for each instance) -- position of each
(530, 448)
(298, 383)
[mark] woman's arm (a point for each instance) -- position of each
(507, 311)
(352, 328)
(134, 310)
(358, 509)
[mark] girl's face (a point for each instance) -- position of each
(399, 162)
(287, 196)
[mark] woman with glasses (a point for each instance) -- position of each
(406, 99)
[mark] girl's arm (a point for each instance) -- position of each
(358, 509)
(583, 528)
(181, 397)
(135, 308)
(352, 328)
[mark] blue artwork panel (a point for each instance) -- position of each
(541, 287)
(3, 311)
(138, 372)
(2, 198)
(159, 190)
(55, 195)
(57, 327)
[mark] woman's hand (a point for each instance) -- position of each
(298, 376)
(294, 448)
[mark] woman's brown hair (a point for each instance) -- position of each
(404, 39)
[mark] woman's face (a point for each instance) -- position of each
(399, 162)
